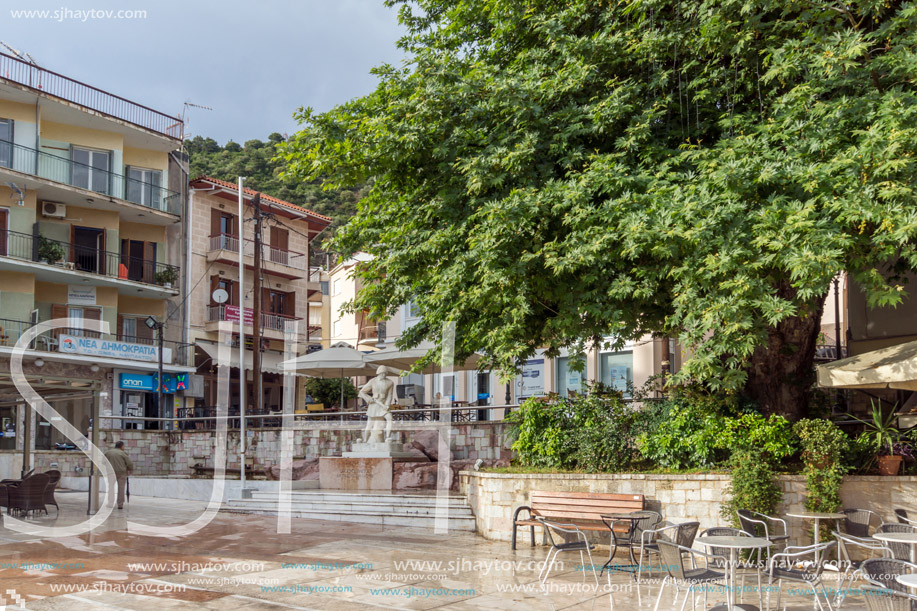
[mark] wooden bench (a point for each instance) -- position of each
(581, 508)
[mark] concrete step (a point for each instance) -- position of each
(394, 509)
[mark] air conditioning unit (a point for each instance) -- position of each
(53, 210)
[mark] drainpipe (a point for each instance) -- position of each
(37, 134)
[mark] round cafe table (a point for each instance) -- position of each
(907, 580)
(816, 517)
(733, 544)
(909, 538)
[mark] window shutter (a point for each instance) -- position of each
(215, 216)
(149, 261)
(143, 331)
(92, 313)
(291, 304)
(120, 330)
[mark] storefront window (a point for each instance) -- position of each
(568, 378)
(531, 382)
(617, 370)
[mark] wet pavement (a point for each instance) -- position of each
(240, 561)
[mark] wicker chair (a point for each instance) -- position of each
(903, 518)
(882, 572)
(54, 479)
(859, 521)
(29, 495)
(680, 534)
(847, 543)
(782, 567)
(632, 540)
(673, 558)
(900, 551)
(883, 599)
(762, 525)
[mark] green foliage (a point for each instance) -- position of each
(258, 162)
(881, 431)
(681, 434)
(550, 171)
(328, 390)
(589, 433)
(49, 250)
(753, 485)
(824, 447)
(166, 275)
(770, 438)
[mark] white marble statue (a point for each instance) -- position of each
(379, 394)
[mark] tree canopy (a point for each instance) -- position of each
(547, 174)
(258, 162)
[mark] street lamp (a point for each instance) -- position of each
(152, 323)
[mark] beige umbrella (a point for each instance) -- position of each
(891, 367)
(405, 359)
(339, 361)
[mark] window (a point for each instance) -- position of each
(138, 261)
(76, 315)
(144, 187)
(336, 329)
(129, 327)
(568, 379)
(616, 369)
(90, 169)
(6, 143)
(337, 287)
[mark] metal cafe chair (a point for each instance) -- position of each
(882, 572)
(684, 577)
(579, 544)
(883, 599)
(852, 568)
(859, 521)
(783, 567)
(901, 551)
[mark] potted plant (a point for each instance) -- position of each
(166, 277)
(49, 251)
(882, 435)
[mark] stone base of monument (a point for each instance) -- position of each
(385, 449)
(365, 473)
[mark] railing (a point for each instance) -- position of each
(288, 258)
(269, 320)
(87, 259)
(828, 352)
(65, 170)
(369, 333)
(21, 72)
(12, 330)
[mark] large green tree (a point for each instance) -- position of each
(548, 173)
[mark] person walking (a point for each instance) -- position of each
(123, 466)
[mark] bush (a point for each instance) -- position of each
(328, 390)
(824, 447)
(590, 433)
(681, 434)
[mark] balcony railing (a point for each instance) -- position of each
(12, 330)
(66, 88)
(269, 320)
(73, 257)
(65, 170)
(825, 353)
(289, 258)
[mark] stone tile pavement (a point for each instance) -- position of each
(241, 562)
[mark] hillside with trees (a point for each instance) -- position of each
(256, 161)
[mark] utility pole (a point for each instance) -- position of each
(256, 323)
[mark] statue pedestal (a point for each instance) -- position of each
(385, 449)
(355, 473)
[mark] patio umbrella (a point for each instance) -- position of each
(339, 361)
(404, 359)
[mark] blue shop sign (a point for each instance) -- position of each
(170, 384)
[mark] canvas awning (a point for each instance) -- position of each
(891, 367)
(270, 360)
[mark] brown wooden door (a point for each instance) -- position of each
(4, 227)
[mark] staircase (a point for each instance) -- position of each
(386, 509)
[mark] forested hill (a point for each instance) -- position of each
(254, 160)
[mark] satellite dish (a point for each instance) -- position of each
(220, 296)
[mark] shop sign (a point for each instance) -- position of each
(95, 346)
(138, 381)
(231, 314)
(81, 295)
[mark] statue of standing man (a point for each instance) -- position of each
(379, 394)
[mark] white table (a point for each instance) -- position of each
(817, 516)
(733, 544)
(909, 538)
(907, 580)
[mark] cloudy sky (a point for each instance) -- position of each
(254, 63)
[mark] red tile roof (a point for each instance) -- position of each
(264, 197)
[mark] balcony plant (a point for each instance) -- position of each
(50, 251)
(166, 277)
(881, 434)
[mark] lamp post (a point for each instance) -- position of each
(152, 323)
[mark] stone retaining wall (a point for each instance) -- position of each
(163, 453)
(680, 498)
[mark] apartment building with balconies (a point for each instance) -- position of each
(291, 288)
(90, 230)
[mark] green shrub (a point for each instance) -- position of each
(681, 434)
(824, 447)
(589, 433)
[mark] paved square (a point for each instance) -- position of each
(239, 561)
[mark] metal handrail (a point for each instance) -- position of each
(282, 256)
(69, 172)
(269, 320)
(51, 83)
(72, 257)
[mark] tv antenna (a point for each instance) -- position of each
(28, 57)
(184, 114)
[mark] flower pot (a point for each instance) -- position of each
(889, 465)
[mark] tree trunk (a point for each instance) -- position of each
(781, 372)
